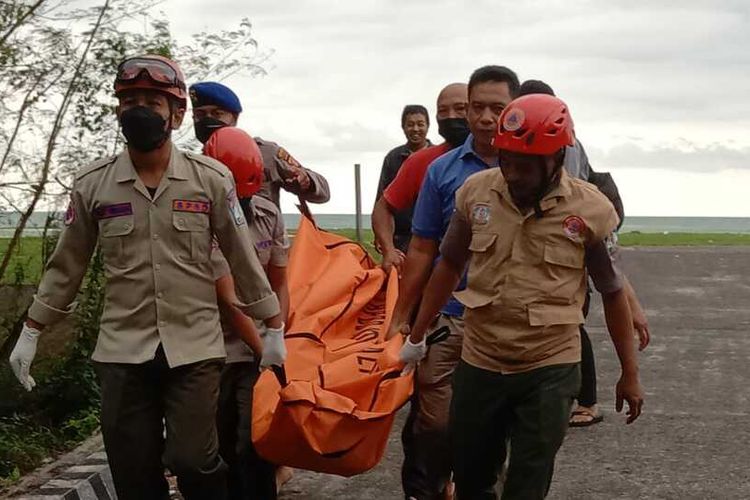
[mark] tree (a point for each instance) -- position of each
(56, 103)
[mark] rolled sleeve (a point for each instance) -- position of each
(235, 242)
(46, 314)
(319, 192)
(264, 308)
(427, 221)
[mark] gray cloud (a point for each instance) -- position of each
(685, 157)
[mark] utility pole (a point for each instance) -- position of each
(358, 202)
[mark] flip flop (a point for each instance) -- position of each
(592, 418)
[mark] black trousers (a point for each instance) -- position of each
(587, 394)
(530, 409)
(250, 477)
(137, 400)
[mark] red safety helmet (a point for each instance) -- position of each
(236, 149)
(151, 72)
(535, 124)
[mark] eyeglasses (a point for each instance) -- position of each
(158, 71)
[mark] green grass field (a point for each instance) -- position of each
(26, 262)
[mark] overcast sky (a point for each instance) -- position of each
(657, 89)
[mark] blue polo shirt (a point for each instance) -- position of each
(437, 200)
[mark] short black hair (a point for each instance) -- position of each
(495, 74)
(535, 87)
(414, 109)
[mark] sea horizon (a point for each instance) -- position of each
(643, 224)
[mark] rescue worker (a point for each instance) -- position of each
(415, 122)
(216, 106)
(576, 164)
(528, 232)
(400, 194)
(249, 475)
(153, 211)
(490, 89)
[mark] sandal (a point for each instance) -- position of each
(585, 417)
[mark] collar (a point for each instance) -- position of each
(406, 151)
(548, 201)
(562, 190)
(125, 171)
(467, 149)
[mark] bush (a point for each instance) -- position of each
(63, 409)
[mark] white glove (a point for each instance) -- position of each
(23, 354)
(274, 350)
(411, 354)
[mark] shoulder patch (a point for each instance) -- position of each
(214, 165)
(283, 155)
(93, 167)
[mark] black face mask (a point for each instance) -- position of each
(454, 130)
(207, 126)
(144, 129)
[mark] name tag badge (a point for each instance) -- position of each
(193, 206)
(116, 210)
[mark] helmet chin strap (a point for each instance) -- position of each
(547, 184)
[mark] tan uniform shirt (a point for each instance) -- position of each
(526, 278)
(160, 286)
(272, 245)
(279, 165)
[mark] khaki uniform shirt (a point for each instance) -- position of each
(272, 246)
(279, 165)
(526, 278)
(160, 287)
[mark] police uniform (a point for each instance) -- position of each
(278, 166)
(159, 351)
(521, 348)
(249, 475)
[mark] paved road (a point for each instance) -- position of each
(693, 441)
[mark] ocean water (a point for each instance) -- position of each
(8, 223)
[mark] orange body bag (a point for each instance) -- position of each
(343, 384)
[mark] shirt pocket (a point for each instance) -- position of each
(481, 275)
(564, 271)
(193, 242)
(115, 242)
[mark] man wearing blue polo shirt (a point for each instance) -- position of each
(426, 470)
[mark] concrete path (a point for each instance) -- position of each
(693, 440)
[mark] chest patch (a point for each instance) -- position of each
(116, 210)
(480, 214)
(194, 206)
(264, 245)
(574, 227)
